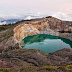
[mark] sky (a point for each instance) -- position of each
(45, 7)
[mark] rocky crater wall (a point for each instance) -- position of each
(48, 25)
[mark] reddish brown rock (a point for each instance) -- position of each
(4, 64)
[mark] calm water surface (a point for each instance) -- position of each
(46, 43)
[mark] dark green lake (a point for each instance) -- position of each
(46, 43)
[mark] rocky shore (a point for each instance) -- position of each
(15, 59)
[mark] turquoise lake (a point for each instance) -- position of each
(45, 43)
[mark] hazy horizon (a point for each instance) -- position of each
(29, 9)
(11, 7)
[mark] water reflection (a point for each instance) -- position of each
(46, 43)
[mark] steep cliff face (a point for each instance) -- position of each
(24, 30)
(49, 25)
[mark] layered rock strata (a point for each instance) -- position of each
(50, 25)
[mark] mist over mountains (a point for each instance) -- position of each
(6, 19)
(63, 16)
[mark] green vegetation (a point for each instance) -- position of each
(61, 67)
(20, 51)
(69, 67)
(32, 49)
(26, 69)
(21, 64)
(4, 27)
(56, 68)
(49, 67)
(5, 69)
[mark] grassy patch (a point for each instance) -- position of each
(26, 69)
(61, 67)
(49, 67)
(32, 49)
(56, 68)
(20, 51)
(68, 67)
(21, 64)
(5, 69)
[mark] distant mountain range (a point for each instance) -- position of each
(9, 21)
(13, 19)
